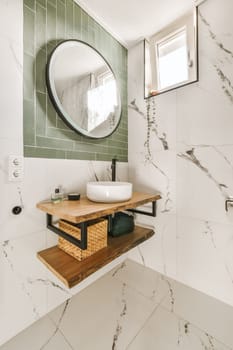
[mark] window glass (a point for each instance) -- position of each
(102, 101)
(172, 57)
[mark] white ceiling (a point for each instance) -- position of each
(132, 20)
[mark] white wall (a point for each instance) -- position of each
(194, 240)
(27, 289)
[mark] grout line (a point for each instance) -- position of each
(46, 50)
(2, 240)
(44, 7)
(73, 26)
(189, 217)
(29, 8)
(137, 291)
(78, 152)
(145, 322)
(65, 3)
(179, 317)
(35, 67)
(66, 339)
(176, 171)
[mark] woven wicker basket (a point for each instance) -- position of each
(96, 238)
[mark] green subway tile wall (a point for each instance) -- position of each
(46, 23)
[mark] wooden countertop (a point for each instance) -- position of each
(84, 209)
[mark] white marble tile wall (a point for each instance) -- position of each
(152, 164)
(27, 289)
(193, 169)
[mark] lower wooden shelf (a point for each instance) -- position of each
(71, 271)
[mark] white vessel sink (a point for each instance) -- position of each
(109, 191)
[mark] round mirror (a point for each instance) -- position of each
(83, 89)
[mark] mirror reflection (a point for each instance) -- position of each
(83, 89)
(171, 56)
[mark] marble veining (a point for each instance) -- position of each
(141, 255)
(190, 156)
(215, 148)
(183, 330)
(107, 175)
(152, 127)
(6, 245)
(57, 327)
(163, 247)
(93, 171)
(223, 156)
(227, 86)
(187, 330)
(28, 290)
(202, 173)
(163, 327)
(20, 197)
(8, 249)
(122, 314)
(214, 36)
(25, 279)
(47, 282)
(120, 267)
(180, 334)
(229, 273)
(171, 292)
(15, 56)
(208, 231)
(211, 240)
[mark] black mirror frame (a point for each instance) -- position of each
(54, 102)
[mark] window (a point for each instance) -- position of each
(171, 56)
(172, 52)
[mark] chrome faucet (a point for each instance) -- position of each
(113, 167)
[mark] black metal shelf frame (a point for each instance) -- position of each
(82, 243)
(142, 212)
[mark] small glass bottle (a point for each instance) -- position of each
(57, 196)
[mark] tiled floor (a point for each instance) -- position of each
(132, 308)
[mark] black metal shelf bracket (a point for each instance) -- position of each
(152, 213)
(82, 226)
(109, 218)
(82, 243)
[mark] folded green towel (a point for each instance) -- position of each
(122, 224)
